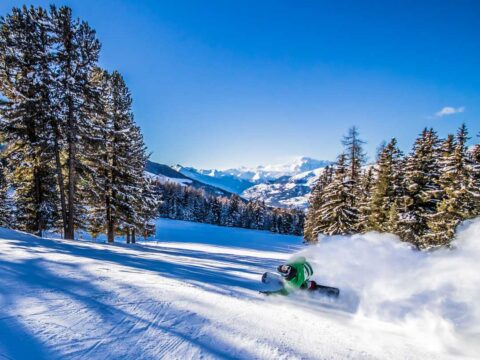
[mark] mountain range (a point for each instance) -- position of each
(281, 185)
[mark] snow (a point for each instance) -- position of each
(193, 294)
(163, 179)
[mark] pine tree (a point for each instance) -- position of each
(387, 187)
(25, 111)
(97, 196)
(215, 214)
(146, 208)
(5, 203)
(337, 214)
(233, 211)
(458, 202)
(355, 157)
(420, 191)
(364, 200)
(75, 57)
(315, 202)
(475, 178)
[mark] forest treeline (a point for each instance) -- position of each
(421, 197)
(187, 203)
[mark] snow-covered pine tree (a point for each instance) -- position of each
(314, 204)
(215, 213)
(337, 214)
(146, 202)
(364, 200)
(259, 214)
(146, 208)
(126, 160)
(25, 110)
(420, 191)
(75, 57)
(475, 177)
(233, 213)
(98, 192)
(457, 203)
(355, 156)
(5, 202)
(386, 189)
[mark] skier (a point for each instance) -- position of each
(296, 274)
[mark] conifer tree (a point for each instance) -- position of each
(475, 178)
(420, 190)
(5, 203)
(99, 166)
(75, 57)
(146, 209)
(233, 211)
(458, 201)
(315, 202)
(337, 215)
(355, 157)
(25, 110)
(387, 187)
(364, 200)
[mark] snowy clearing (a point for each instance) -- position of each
(193, 294)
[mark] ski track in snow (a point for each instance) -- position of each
(191, 295)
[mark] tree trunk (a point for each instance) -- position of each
(128, 236)
(39, 223)
(58, 170)
(110, 222)
(71, 171)
(133, 236)
(37, 182)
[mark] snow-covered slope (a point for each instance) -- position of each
(164, 173)
(291, 191)
(164, 179)
(216, 178)
(193, 294)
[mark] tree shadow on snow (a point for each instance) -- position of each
(105, 312)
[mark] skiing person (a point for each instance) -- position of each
(296, 274)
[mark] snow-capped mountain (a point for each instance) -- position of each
(217, 178)
(238, 180)
(292, 191)
(265, 173)
(164, 173)
(284, 185)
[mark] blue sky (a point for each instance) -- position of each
(229, 83)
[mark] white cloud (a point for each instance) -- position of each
(449, 110)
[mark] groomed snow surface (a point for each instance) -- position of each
(194, 295)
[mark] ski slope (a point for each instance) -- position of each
(193, 294)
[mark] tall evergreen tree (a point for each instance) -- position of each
(475, 177)
(355, 156)
(232, 216)
(458, 193)
(337, 215)
(146, 208)
(25, 110)
(364, 200)
(5, 203)
(420, 190)
(315, 203)
(387, 187)
(75, 57)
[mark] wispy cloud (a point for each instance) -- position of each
(449, 110)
